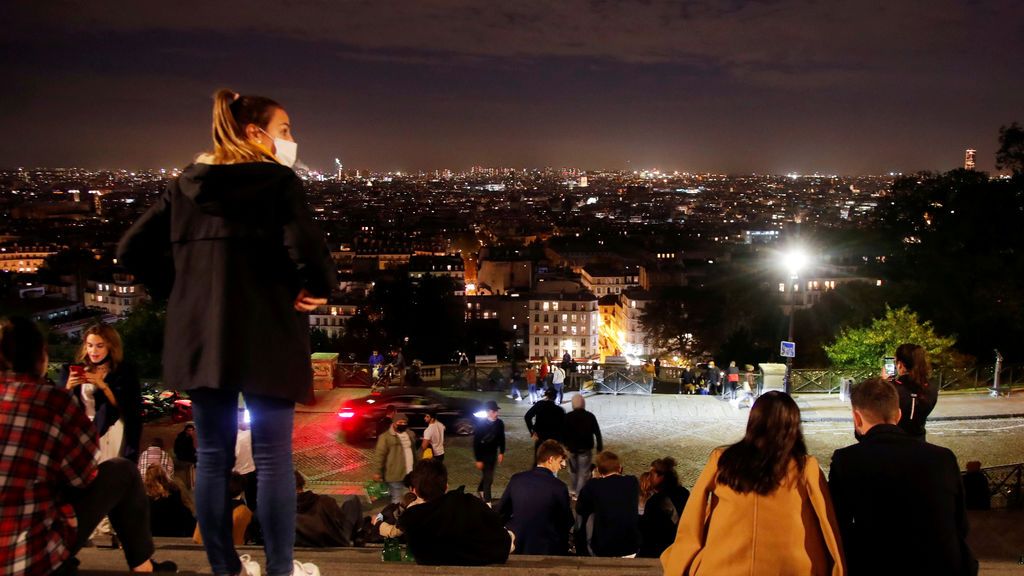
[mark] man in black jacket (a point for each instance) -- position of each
(899, 501)
(488, 448)
(581, 432)
(320, 522)
(452, 528)
(607, 511)
(545, 420)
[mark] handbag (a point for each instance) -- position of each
(428, 453)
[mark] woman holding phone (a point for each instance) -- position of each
(248, 264)
(108, 389)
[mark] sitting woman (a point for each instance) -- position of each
(168, 515)
(108, 389)
(760, 505)
(662, 511)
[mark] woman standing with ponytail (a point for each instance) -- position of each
(248, 263)
(917, 396)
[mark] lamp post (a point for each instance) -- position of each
(794, 260)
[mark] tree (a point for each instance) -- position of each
(142, 332)
(1011, 149)
(667, 324)
(863, 348)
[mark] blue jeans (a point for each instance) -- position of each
(558, 389)
(579, 470)
(216, 418)
(533, 393)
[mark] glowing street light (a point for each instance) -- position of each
(794, 261)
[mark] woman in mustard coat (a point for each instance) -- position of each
(761, 506)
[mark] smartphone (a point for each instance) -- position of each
(77, 370)
(890, 366)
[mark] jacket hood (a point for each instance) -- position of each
(235, 191)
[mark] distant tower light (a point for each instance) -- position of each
(969, 159)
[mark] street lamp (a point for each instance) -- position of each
(794, 261)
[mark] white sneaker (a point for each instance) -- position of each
(249, 566)
(305, 569)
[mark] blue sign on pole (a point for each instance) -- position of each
(787, 349)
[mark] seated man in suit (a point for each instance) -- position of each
(535, 505)
(899, 501)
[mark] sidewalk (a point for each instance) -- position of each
(951, 406)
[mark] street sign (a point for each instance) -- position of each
(787, 349)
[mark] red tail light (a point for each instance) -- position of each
(346, 412)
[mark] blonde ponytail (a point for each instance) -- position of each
(231, 114)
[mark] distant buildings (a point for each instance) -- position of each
(14, 258)
(969, 159)
(115, 291)
(564, 322)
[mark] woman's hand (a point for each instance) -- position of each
(305, 302)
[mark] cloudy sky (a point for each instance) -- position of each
(734, 85)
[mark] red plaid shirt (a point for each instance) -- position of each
(48, 444)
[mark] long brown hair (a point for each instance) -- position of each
(232, 112)
(759, 462)
(115, 349)
(915, 360)
(156, 482)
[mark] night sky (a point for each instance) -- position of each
(833, 86)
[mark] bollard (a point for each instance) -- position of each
(995, 376)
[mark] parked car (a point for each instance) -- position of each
(360, 418)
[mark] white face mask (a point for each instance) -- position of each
(287, 151)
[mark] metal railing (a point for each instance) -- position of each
(1004, 485)
(828, 381)
(496, 377)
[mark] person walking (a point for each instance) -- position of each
(395, 456)
(760, 505)
(545, 420)
(733, 378)
(248, 265)
(433, 436)
(531, 383)
(488, 448)
(582, 434)
(558, 381)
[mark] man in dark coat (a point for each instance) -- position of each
(244, 242)
(453, 528)
(545, 420)
(581, 433)
(607, 511)
(535, 505)
(320, 522)
(488, 448)
(899, 501)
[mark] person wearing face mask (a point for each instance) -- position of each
(233, 243)
(395, 456)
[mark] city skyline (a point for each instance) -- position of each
(720, 87)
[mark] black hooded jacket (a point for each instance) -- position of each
(243, 244)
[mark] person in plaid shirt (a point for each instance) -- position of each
(155, 454)
(52, 492)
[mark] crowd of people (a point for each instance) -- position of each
(232, 243)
